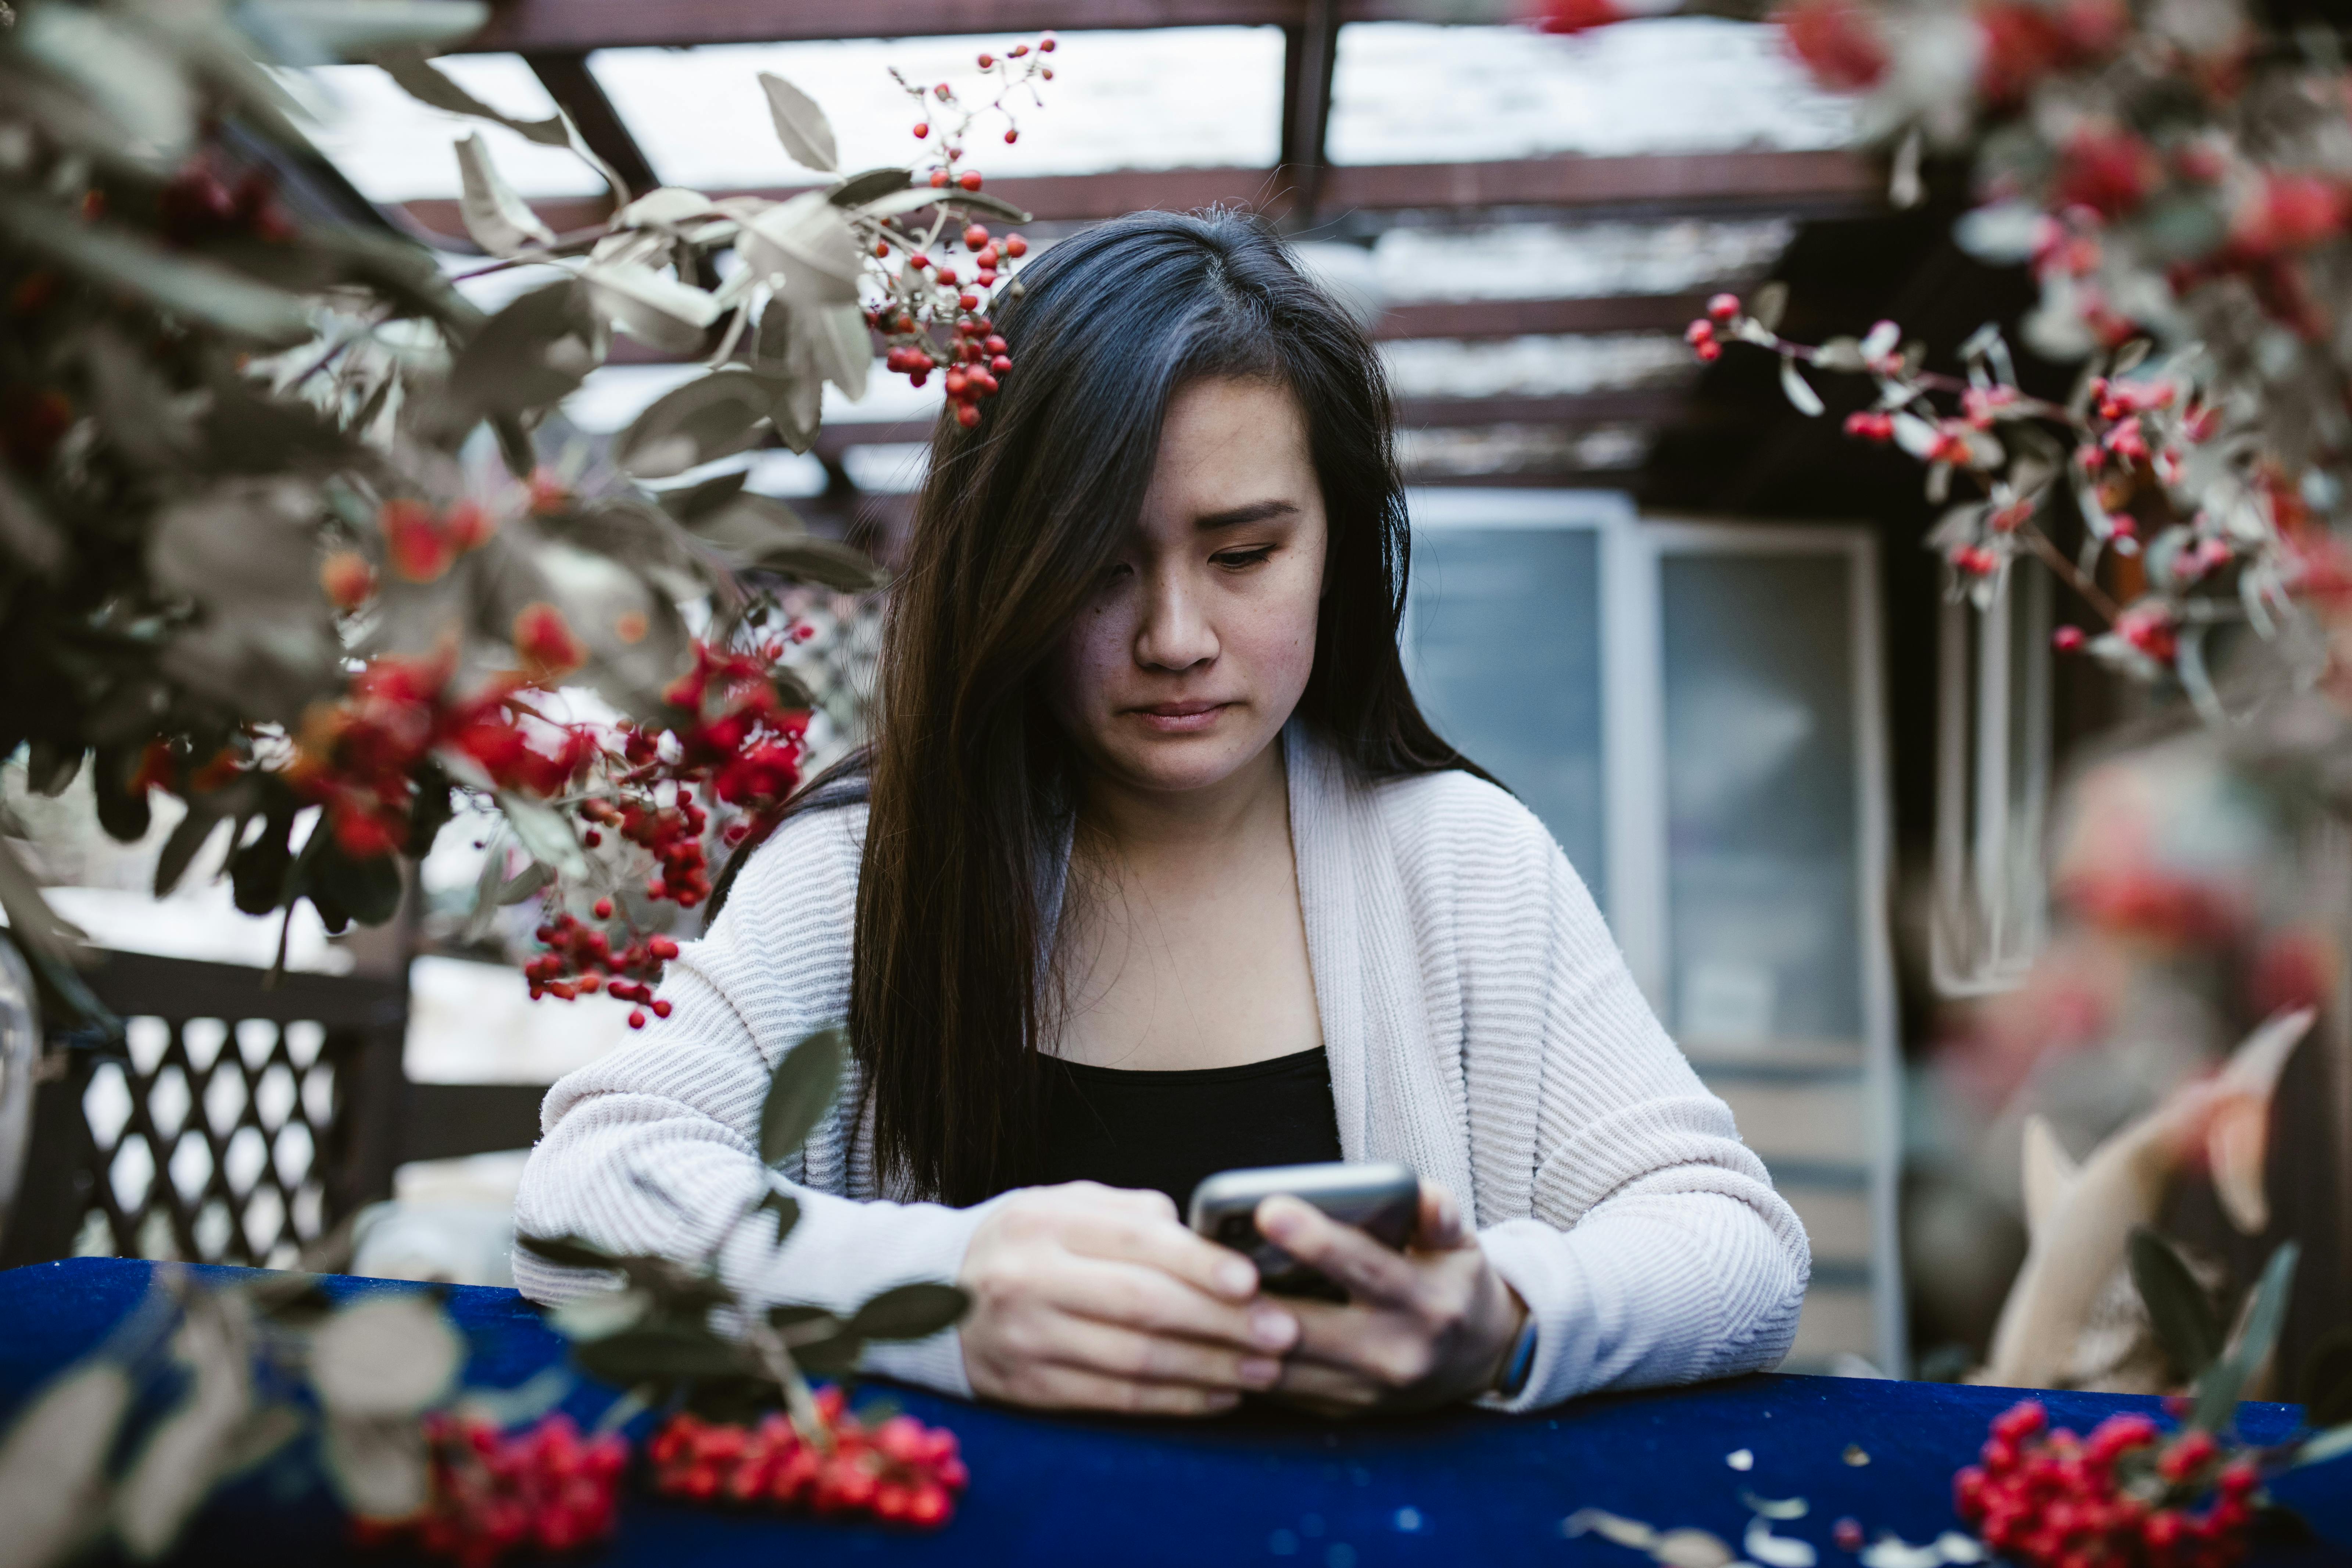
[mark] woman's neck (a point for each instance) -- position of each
(1139, 826)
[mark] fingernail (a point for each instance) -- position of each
(1236, 1277)
(1259, 1372)
(1223, 1399)
(1273, 1328)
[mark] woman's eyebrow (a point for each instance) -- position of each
(1235, 517)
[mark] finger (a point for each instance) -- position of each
(1137, 1296)
(1440, 1228)
(1130, 1355)
(1148, 1201)
(1156, 1239)
(1315, 1385)
(1345, 1254)
(1074, 1388)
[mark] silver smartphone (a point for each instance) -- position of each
(1381, 1200)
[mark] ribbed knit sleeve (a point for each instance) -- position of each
(654, 1149)
(1612, 1190)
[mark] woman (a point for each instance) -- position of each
(1155, 869)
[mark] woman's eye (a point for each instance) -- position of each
(1236, 560)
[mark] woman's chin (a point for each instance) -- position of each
(1155, 758)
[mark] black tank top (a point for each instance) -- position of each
(1167, 1130)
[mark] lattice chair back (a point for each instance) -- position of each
(239, 1122)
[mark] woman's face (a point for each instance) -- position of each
(1197, 642)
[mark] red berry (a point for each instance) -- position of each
(939, 178)
(1000, 364)
(1011, 135)
(1015, 246)
(1710, 353)
(2067, 639)
(947, 275)
(1046, 45)
(1723, 306)
(986, 61)
(969, 301)
(922, 129)
(636, 1018)
(968, 179)
(1847, 1533)
(603, 908)
(967, 414)
(881, 247)
(975, 237)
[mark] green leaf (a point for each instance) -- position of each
(52, 1480)
(2186, 1324)
(792, 1315)
(1768, 304)
(30, 918)
(379, 1464)
(704, 498)
(425, 81)
(2323, 1446)
(869, 183)
(786, 1210)
(910, 1312)
(500, 221)
(807, 241)
(801, 125)
(120, 72)
(709, 418)
(823, 561)
(800, 1092)
(368, 890)
(534, 353)
(545, 832)
(899, 202)
(2218, 1390)
(660, 1351)
(526, 1401)
(651, 307)
(385, 1355)
(181, 1459)
(175, 284)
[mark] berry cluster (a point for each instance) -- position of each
(581, 961)
(542, 1488)
(900, 1471)
(198, 205)
(935, 313)
(358, 758)
(671, 834)
(2122, 1496)
(422, 544)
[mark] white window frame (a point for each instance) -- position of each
(1633, 551)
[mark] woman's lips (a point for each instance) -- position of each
(1179, 717)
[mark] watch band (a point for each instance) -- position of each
(1521, 1362)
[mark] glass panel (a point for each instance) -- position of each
(1537, 365)
(1763, 934)
(1171, 97)
(395, 149)
(1503, 640)
(1557, 260)
(1411, 92)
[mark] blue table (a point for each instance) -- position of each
(1456, 1489)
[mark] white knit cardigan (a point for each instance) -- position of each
(1481, 1026)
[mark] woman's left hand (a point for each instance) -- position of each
(1422, 1327)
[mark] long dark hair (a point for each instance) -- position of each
(968, 774)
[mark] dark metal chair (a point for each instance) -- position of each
(236, 1122)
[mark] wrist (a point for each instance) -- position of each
(1507, 1374)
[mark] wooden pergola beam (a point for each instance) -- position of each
(1800, 183)
(527, 26)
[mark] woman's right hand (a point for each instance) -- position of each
(1091, 1297)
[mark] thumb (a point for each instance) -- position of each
(1440, 1228)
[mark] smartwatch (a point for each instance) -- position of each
(1520, 1363)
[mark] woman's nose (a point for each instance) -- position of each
(1175, 634)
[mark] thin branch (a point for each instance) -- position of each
(2055, 559)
